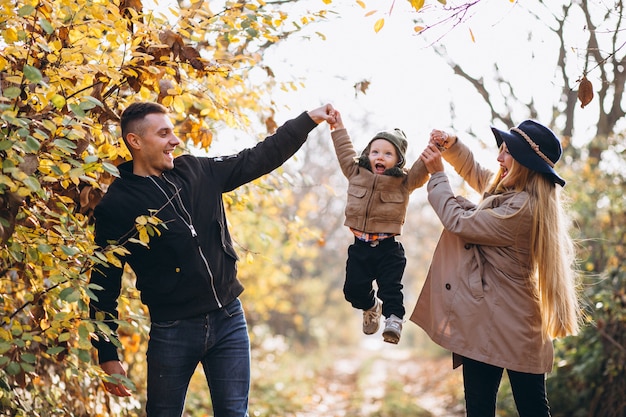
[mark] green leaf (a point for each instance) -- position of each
(69, 295)
(13, 368)
(12, 92)
(89, 104)
(26, 10)
(83, 355)
(29, 358)
(44, 248)
(46, 26)
(4, 347)
(69, 251)
(32, 74)
(27, 367)
(111, 169)
(78, 111)
(55, 350)
(66, 145)
(5, 144)
(32, 183)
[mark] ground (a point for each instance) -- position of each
(387, 381)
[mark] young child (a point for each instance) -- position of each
(378, 195)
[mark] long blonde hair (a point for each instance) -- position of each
(552, 255)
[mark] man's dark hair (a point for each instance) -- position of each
(135, 113)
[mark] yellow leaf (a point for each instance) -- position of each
(360, 3)
(5, 334)
(472, 36)
(370, 13)
(10, 35)
(179, 104)
(379, 24)
(417, 4)
(418, 29)
(58, 101)
(154, 220)
(143, 235)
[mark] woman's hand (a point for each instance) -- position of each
(432, 158)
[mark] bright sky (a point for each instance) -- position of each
(411, 87)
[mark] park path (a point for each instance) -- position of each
(356, 384)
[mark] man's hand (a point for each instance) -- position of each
(323, 114)
(115, 368)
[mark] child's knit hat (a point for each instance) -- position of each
(397, 139)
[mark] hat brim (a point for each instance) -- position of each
(521, 151)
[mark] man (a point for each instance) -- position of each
(187, 273)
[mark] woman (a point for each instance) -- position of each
(501, 283)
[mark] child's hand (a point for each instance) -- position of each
(338, 122)
(440, 139)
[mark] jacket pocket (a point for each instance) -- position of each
(390, 207)
(476, 275)
(356, 191)
(390, 197)
(226, 242)
(355, 206)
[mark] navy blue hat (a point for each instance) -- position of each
(534, 146)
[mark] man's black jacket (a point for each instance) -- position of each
(190, 268)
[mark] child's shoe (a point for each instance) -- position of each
(371, 317)
(393, 329)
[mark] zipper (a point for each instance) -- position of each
(189, 224)
(369, 202)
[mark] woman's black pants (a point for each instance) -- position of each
(481, 382)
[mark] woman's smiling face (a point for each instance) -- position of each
(383, 155)
(506, 162)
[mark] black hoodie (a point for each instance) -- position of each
(190, 268)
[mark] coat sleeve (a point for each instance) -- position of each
(252, 163)
(499, 224)
(344, 149)
(461, 157)
(418, 175)
(105, 284)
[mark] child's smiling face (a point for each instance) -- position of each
(383, 155)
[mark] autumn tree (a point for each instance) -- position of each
(67, 70)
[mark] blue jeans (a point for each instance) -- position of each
(218, 340)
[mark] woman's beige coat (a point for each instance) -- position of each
(477, 301)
